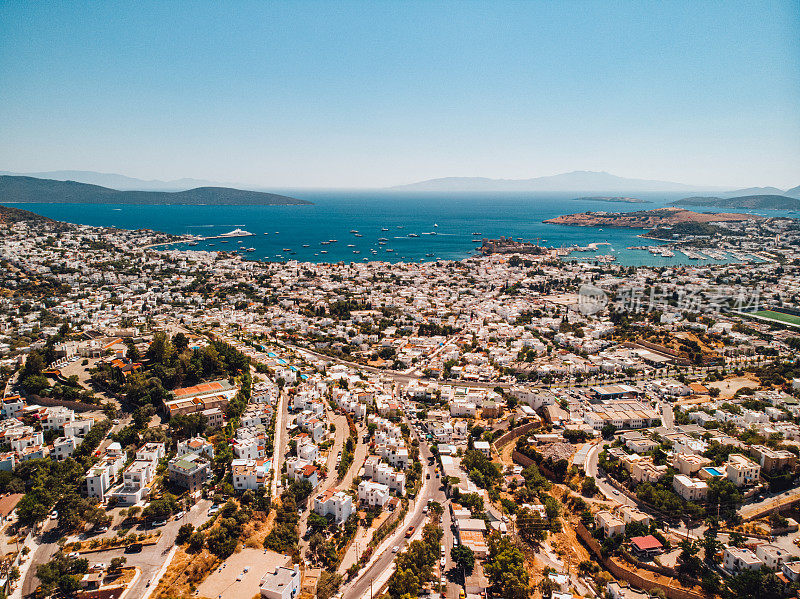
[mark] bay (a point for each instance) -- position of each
(413, 226)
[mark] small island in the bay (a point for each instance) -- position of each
(646, 219)
(614, 199)
(49, 191)
(757, 202)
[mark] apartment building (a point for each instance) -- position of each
(250, 474)
(741, 470)
(334, 503)
(373, 494)
(189, 471)
(691, 489)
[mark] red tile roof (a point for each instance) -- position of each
(645, 543)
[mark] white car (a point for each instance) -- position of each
(396, 548)
(443, 561)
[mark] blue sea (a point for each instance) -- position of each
(415, 226)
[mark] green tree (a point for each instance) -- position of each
(762, 584)
(505, 568)
(464, 558)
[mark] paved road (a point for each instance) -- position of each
(592, 469)
(41, 555)
(400, 377)
(152, 557)
(279, 443)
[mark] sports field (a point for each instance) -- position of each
(779, 316)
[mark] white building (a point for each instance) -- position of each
(283, 583)
(373, 494)
(741, 470)
(691, 489)
(736, 559)
(336, 503)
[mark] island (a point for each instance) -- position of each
(647, 219)
(49, 191)
(614, 199)
(758, 202)
(507, 245)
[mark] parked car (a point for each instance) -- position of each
(159, 523)
(409, 532)
(395, 549)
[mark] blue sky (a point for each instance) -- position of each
(362, 94)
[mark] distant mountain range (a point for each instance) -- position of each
(120, 182)
(574, 181)
(762, 202)
(30, 189)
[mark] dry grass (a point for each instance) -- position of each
(185, 573)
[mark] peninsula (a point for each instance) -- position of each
(761, 201)
(646, 219)
(49, 191)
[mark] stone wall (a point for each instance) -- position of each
(644, 579)
(513, 434)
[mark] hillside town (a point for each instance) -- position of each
(180, 423)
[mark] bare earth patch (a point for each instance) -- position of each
(729, 387)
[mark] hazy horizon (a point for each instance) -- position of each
(358, 95)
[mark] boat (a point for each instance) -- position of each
(332, 240)
(384, 229)
(192, 243)
(266, 233)
(413, 235)
(350, 245)
(224, 241)
(382, 239)
(287, 249)
(353, 230)
(476, 241)
(429, 255)
(211, 244)
(305, 245)
(358, 235)
(323, 251)
(236, 233)
(381, 243)
(435, 225)
(250, 249)
(356, 251)
(389, 250)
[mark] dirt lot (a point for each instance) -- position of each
(222, 583)
(729, 387)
